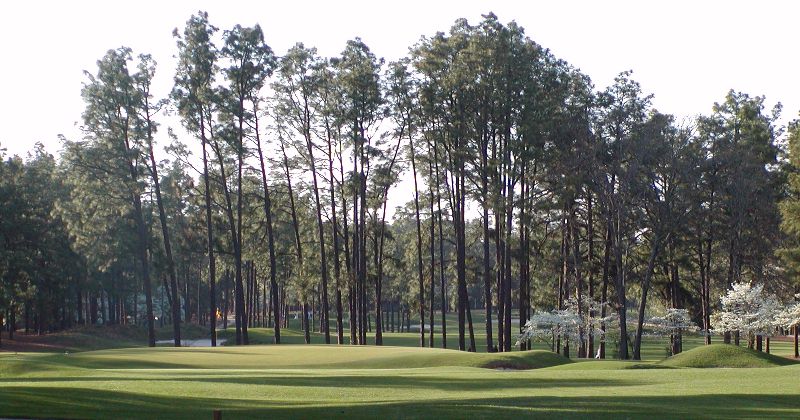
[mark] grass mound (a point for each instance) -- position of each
(300, 357)
(96, 337)
(281, 381)
(725, 356)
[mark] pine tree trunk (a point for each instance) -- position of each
(432, 254)
(620, 288)
(487, 279)
(507, 268)
(590, 238)
(212, 265)
(237, 246)
(273, 265)
(321, 232)
(337, 270)
(637, 344)
(419, 247)
(443, 285)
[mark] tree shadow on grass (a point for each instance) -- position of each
(394, 382)
(54, 402)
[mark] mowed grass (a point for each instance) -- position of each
(653, 348)
(279, 357)
(725, 356)
(123, 336)
(96, 337)
(290, 381)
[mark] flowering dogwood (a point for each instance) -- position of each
(572, 323)
(789, 316)
(747, 309)
(674, 321)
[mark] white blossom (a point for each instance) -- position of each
(673, 321)
(573, 323)
(789, 316)
(747, 309)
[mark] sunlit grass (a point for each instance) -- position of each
(390, 382)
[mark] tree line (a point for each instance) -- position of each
(523, 189)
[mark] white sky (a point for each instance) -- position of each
(688, 53)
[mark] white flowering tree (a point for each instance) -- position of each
(544, 326)
(673, 323)
(789, 317)
(748, 310)
(573, 324)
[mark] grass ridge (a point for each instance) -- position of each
(725, 356)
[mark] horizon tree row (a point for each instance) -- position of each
(522, 189)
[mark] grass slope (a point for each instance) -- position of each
(93, 337)
(97, 337)
(329, 382)
(725, 356)
(280, 357)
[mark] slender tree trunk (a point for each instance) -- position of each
(564, 287)
(141, 231)
(296, 228)
(320, 229)
(357, 234)
(621, 301)
(604, 287)
(487, 279)
(379, 256)
(677, 339)
(306, 326)
(432, 252)
(162, 215)
(363, 243)
(225, 279)
(443, 285)
(507, 281)
(523, 258)
(212, 265)
(419, 247)
(347, 260)
(337, 270)
(576, 266)
(637, 344)
(461, 259)
(232, 223)
(241, 314)
(616, 225)
(590, 239)
(273, 265)
(470, 328)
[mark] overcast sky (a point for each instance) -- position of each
(687, 53)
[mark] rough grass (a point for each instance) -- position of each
(368, 382)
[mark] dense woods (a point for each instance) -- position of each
(520, 188)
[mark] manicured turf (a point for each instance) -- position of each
(653, 348)
(281, 357)
(99, 337)
(725, 356)
(390, 382)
